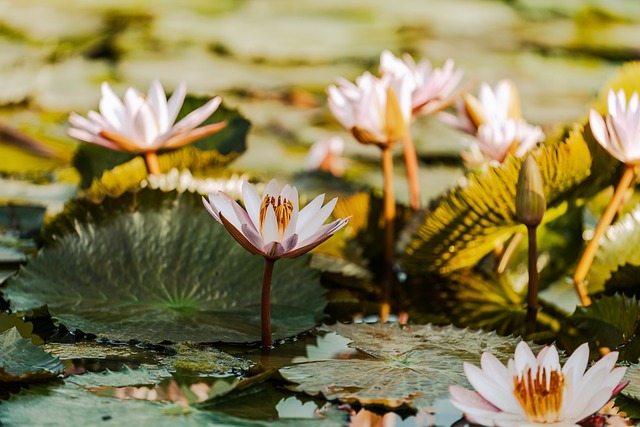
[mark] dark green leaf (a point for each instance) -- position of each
(164, 270)
(21, 361)
(612, 321)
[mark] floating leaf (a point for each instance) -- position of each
(195, 358)
(21, 361)
(71, 404)
(613, 322)
(412, 366)
(92, 160)
(164, 270)
(618, 254)
(470, 221)
(8, 321)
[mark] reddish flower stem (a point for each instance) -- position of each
(265, 304)
(607, 218)
(151, 158)
(411, 165)
(389, 232)
(532, 291)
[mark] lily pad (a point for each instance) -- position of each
(470, 221)
(92, 160)
(21, 361)
(169, 272)
(411, 366)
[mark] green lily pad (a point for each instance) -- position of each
(72, 404)
(618, 255)
(411, 366)
(155, 266)
(93, 160)
(470, 221)
(613, 322)
(21, 361)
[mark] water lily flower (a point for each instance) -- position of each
(273, 225)
(325, 155)
(432, 88)
(143, 124)
(496, 140)
(533, 391)
(619, 132)
(375, 110)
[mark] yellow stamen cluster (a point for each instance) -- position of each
(282, 208)
(540, 395)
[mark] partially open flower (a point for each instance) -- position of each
(619, 132)
(532, 391)
(142, 124)
(375, 110)
(273, 225)
(496, 140)
(432, 87)
(325, 155)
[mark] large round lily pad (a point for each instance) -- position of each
(169, 273)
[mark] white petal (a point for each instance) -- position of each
(197, 116)
(491, 391)
(111, 107)
(310, 211)
(314, 223)
(496, 370)
(175, 102)
(252, 202)
(158, 102)
(271, 189)
(269, 230)
(524, 358)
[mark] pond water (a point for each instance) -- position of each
(272, 61)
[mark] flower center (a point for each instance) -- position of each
(540, 395)
(282, 208)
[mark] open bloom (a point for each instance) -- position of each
(142, 124)
(619, 132)
(431, 87)
(375, 110)
(533, 391)
(273, 225)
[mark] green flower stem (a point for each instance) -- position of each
(532, 294)
(607, 218)
(265, 304)
(411, 165)
(389, 232)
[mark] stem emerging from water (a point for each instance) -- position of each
(151, 158)
(389, 233)
(265, 305)
(532, 295)
(607, 217)
(411, 165)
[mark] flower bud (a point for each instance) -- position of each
(530, 200)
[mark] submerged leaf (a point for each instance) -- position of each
(21, 361)
(470, 221)
(411, 366)
(71, 404)
(155, 266)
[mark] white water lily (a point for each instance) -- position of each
(375, 110)
(496, 140)
(431, 87)
(619, 132)
(142, 124)
(326, 155)
(534, 391)
(273, 225)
